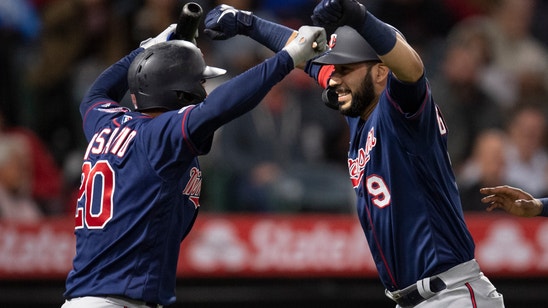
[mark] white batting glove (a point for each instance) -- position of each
(162, 37)
(309, 43)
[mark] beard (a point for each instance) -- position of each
(361, 98)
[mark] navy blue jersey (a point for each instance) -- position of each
(407, 198)
(141, 181)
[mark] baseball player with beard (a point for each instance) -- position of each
(408, 202)
(141, 179)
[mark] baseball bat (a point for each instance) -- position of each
(187, 25)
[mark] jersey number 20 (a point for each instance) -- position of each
(97, 187)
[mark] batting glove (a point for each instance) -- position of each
(162, 37)
(309, 43)
(225, 21)
(332, 14)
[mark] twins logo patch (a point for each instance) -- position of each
(356, 166)
(194, 186)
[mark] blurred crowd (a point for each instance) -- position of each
(487, 62)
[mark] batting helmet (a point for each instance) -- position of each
(347, 46)
(169, 76)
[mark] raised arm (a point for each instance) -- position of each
(242, 93)
(225, 21)
(112, 84)
(388, 43)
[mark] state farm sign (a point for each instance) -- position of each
(278, 246)
(285, 245)
(36, 250)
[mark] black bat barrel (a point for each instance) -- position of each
(189, 19)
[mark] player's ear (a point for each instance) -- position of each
(380, 72)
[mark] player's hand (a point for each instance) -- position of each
(162, 37)
(513, 200)
(309, 43)
(225, 21)
(332, 14)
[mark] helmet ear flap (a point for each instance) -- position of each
(192, 96)
(187, 98)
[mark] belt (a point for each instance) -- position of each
(136, 302)
(411, 296)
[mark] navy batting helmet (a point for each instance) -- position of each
(169, 76)
(347, 46)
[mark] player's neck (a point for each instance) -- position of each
(153, 114)
(367, 112)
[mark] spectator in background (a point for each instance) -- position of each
(516, 201)
(486, 167)
(463, 9)
(79, 39)
(292, 12)
(61, 43)
(526, 156)
(520, 59)
(19, 29)
(237, 54)
(276, 157)
(45, 177)
(540, 22)
(467, 109)
(427, 22)
(16, 202)
(153, 17)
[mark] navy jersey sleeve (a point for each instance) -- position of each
(544, 202)
(319, 72)
(193, 126)
(234, 98)
(413, 125)
(176, 137)
(105, 93)
(410, 97)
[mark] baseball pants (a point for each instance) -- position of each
(465, 287)
(105, 302)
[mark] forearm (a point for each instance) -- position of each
(238, 95)
(404, 62)
(392, 48)
(225, 21)
(271, 35)
(387, 42)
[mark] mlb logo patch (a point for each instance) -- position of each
(126, 118)
(332, 40)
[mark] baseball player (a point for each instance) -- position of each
(141, 180)
(407, 199)
(514, 201)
